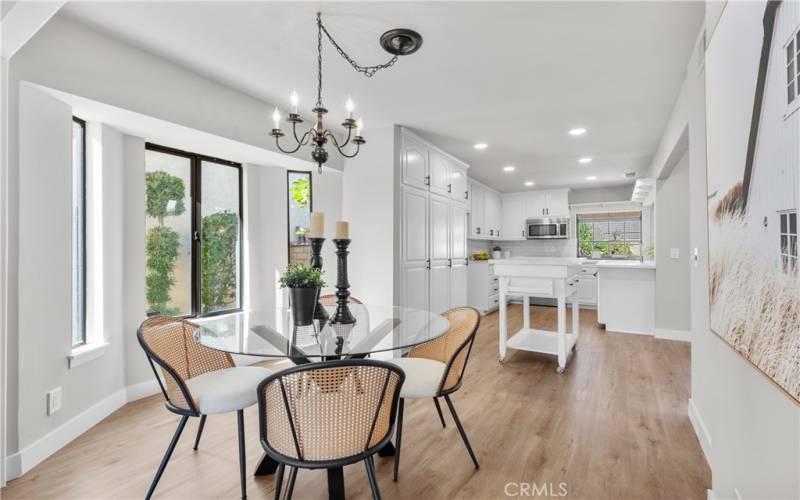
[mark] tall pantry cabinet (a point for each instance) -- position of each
(432, 215)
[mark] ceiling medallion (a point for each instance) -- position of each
(398, 42)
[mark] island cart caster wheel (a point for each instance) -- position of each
(501, 360)
(560, 370)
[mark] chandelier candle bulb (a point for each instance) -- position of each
(317, 229)
(350, 106)
(295, 100)
(342, 230)
(276, 118)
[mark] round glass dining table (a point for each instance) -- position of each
(271, 333)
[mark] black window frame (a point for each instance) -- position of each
(288, 201)
(82, 257)
(195, 194)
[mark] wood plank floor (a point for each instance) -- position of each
(613, 426)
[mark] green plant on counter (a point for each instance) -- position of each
(301, 276)
(480, 255)
(496, 248)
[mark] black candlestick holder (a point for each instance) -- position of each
(320, 314)
(342, 316)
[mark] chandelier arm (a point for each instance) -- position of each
(328, 133)
(302, 141)
(358, 147)
(287, 151)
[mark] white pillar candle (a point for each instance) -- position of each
(317, 225)
(342, 230)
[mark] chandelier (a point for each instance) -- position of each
(398, 42)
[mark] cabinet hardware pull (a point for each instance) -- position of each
(449, 262)
(427, 180)
(449, 187)
(428, 264)
(491, 232)
(466, 195)
(478, 230)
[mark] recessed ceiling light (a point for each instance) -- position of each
(585, 159)
(591, 178)
(480, 145)
(529, 183)
(577, 131)
(508, 168)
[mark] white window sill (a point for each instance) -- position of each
(85, 353)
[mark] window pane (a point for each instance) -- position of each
(784, 244)
(299, 216)
(790, 52)
(793, 223)
(78, 234)
(221, 236)
(169, 233)
(784, 225)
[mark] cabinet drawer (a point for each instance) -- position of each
(494, 279)
(494, 301)
(494, 289)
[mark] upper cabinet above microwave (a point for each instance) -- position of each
(547, 203)
(426, 167)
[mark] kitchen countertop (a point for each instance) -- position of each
(574, 261)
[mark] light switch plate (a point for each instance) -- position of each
(674, 253)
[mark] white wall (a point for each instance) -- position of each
(69, 58)
(750, 429)
(368, 193)
(598, 194)
(672, 275)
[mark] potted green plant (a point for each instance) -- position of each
(304, 283)
(497, 252)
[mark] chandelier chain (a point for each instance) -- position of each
(369, 71)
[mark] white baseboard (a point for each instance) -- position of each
(680, 335)
(24, 460)
(629, 332)
(701, 431)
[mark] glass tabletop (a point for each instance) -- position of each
(271, 332)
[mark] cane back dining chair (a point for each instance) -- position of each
(197, 381)
(436, 369)
(328, 415)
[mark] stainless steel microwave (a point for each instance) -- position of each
(547, 228)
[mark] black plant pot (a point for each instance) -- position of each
(304, 301)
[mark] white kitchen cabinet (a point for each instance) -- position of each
(482, 286)
(547, 203)
(458, 182)
(558, 202)
(513, 210)
(535, 204)
(433, 219)
(477, 211)
(439, 173)
(414, 162)
(587, 287)
(494, 215)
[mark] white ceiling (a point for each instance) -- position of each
(514, 75)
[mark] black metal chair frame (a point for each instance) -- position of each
(193, 411)
(441, 392)
(297, 463)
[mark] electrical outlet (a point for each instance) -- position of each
(53, 400)
(674, 253)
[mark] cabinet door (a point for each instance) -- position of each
(439, 172)
(494, 216)
(439, 213)
(513, 227)
(415, 287)
(558, 203)
(535, 204)
(440, 253)
(415, 226)
(415, 162)
(458, 231)
(477, 212)
(458, 182)
(458, 284)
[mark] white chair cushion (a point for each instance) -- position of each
(227, 390)
(423, 376)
